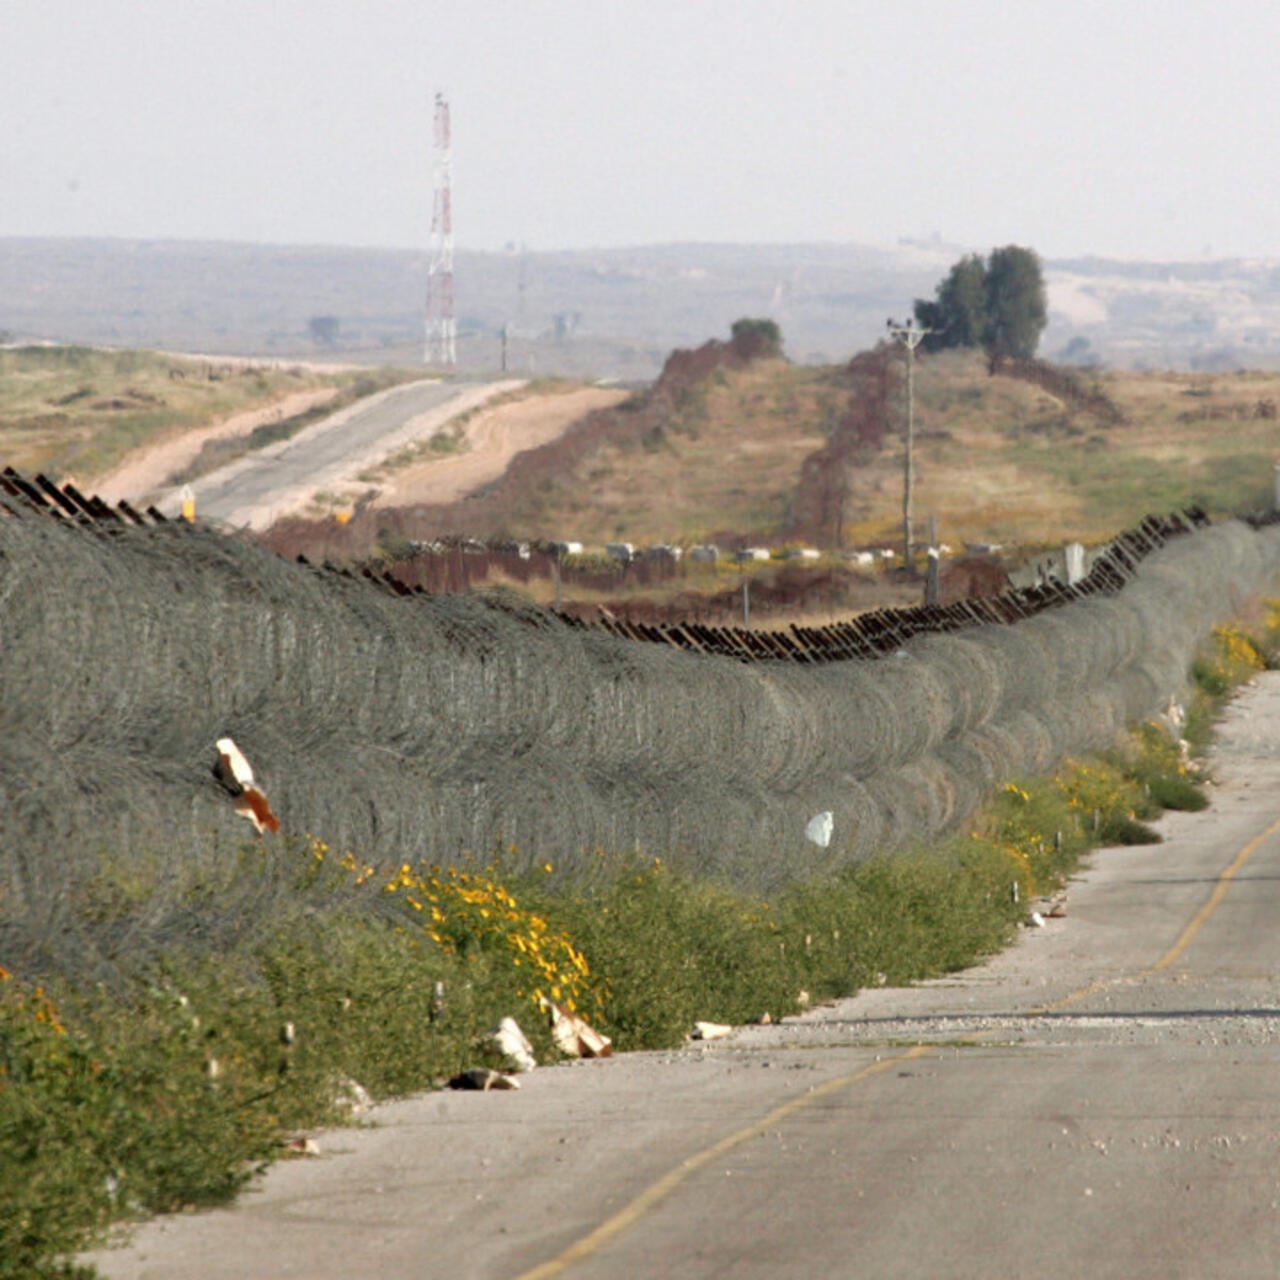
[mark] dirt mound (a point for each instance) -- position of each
(1075, 391)
(641, 419)
(824, 497)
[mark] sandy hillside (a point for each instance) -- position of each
(491, 438)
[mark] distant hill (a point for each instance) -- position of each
(609, 312)
(767, 452)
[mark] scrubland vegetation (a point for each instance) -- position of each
(76, 412)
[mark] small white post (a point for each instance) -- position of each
(1073, 556)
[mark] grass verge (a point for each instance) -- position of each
(78, 411)
(174, 1088)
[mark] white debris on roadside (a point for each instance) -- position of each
(820, 828)
(352, 1097)
(236, 774)
(301, 1145)
(573, 1037)
(512, 1045)
(710, 1031)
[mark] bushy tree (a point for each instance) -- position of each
(755, 338)
(998, 305)
(1016, 309)
(959, 315)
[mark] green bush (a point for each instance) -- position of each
(666, 951)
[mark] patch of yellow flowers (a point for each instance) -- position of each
(1099, 789)
(17, 999)
(467, 913)
(1236, 656)
(1014, 838)
(28, 1018)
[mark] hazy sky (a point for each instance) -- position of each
(1122, 128)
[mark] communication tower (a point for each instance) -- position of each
(441, 344)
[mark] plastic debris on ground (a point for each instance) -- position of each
(573, 1037)
(711, 1030)
(483, 1079)
(820, 828)
(512, 1046)
(236, 774)
(352, 1097)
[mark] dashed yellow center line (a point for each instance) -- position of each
(657, 1191)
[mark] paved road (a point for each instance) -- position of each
(1103, 1100)
(269, 483)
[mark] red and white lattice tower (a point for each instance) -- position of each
(441, 345)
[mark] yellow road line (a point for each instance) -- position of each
(1185, 938)
(1211, 903)
(657, 1191)
(1074, 997)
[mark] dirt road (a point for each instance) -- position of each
(1101, 1100)
(491, 438)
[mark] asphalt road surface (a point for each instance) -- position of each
(1102, 1100)
(269, 483)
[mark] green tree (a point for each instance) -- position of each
(998, 304)
(958, 316)
(1016, 311)
(754, 339)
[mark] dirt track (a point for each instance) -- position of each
(492, 438)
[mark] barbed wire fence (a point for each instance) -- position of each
(429, 727)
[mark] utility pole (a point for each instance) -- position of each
(910, 337)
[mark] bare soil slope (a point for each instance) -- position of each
(487, 441)
(713, 449)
